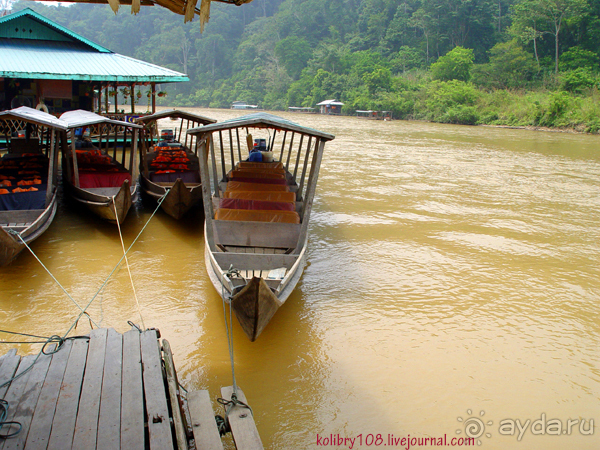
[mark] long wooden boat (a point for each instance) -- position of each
(171, 165)
(94, 177)
(257, 213)
(28, 177)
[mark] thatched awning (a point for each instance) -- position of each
(187, 8)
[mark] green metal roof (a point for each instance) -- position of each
(36, 48)
(27, 24)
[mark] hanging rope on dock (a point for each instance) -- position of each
(3, 421)
(127, 264)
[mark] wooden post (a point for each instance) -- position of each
(74, 155)
(116, 97)
(298, 156)
(241, 421)
(231, 150)
(287, 164)
(206, 194)
(282, 146)
(49, 192)
(132, 87)
(304, 166)
(153, 86)
(222, 158)
(134, 149)
(179, 421)
(237, 134)
(310, 192)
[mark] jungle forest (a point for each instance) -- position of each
(498, 62)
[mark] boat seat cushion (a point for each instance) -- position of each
(244, 186)
(262, 165)
(246, 215)
(259, 180)
(168, 176)
(267, 196)
(255, 174)
(261, 170)
(88, 180)
(23, 181)
(238, 203)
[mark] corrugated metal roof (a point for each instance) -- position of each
(21, 17)
(29, 52)
(71, 61)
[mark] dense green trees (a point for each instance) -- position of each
(399, 55)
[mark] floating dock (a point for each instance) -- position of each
(111, 391)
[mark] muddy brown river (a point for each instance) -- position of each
(452, 290)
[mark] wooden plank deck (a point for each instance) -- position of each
(109, 391)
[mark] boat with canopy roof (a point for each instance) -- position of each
(170, 168)
(103, 182)
(263, 171)
(28, 177)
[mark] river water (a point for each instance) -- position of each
(452, 290)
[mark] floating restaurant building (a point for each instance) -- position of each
(47, 66)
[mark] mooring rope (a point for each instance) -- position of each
(13, 232)
(118, 263)
(223, 423)
(3, 421)
(59, 341)
(127, 264)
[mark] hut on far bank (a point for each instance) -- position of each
(330, 107)
(47, 66)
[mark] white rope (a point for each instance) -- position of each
(127, 264)
(52, 276)
(229, 325)
(118, 263)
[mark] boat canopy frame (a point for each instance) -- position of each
(299, 148)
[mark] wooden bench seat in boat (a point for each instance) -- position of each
(260, 170)
(267, 196)
(238, 203)
(281, 182)
(246, 186)
(250, 173)
(261, 165)
(245, 215)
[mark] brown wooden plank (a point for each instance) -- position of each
(9, 362)
(62, 432)
(157, 410)
(255, 261)
(41, 423)
(14, 393)
(109, 420)
(132, 394)
(173, 387)
(24, 411)
(204, 426)
(256, 234)
(86, 426)
(241, 421)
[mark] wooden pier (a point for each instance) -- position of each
(111, 391)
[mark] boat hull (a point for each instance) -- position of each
(254, 303)
(11, 246)
(179, 199)
(110, 204)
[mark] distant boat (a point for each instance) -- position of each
(170, 166)
(93, 177)
(257, 212)
(28, 177)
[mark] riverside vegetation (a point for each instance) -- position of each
(499, 62)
